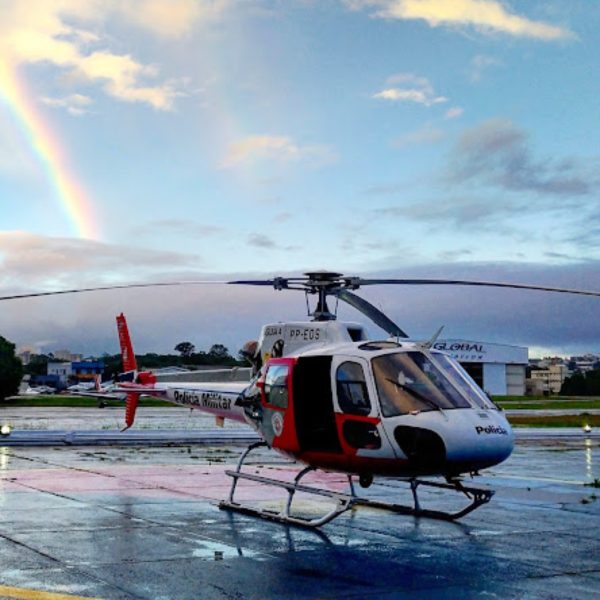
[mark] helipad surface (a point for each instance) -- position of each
(143, 523)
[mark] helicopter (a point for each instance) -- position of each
(327, 396)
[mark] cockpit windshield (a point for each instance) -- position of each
(410, 381)
(456, 372)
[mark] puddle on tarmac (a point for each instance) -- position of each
(219, 551)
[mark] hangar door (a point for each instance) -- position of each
(515, 380)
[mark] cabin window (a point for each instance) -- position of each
(356, 334)
(352, 392)
(276, 389)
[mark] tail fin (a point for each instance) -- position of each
(129, 369)
(129, 362)
(131, 404)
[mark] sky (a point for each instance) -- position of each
(161, 140)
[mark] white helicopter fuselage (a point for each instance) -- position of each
(397, 408)
(384, 407)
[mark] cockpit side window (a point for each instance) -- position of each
(352, 393)
(276, 386)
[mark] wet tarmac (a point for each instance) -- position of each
(131, 522)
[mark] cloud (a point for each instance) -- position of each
(67, 34)
(275, 148)
(42, 262)
(412, 88)
(496, 153)
(530, 318)
(472, 215)
(386, 189)
(121, 75)
(454, 112)
(587, 237)
(74, 104)
(179, 227)
(425, 135)
(172, 18)
(481, 63)
(455, 255)
(282, 217)
(459, 212)
(259, 240)
(485, 16)
(160, 318)
(264, 242)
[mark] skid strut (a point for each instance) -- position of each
(344, 502)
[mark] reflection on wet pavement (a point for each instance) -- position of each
(129, 522)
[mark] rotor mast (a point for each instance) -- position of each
(323, 283)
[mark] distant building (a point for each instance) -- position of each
(585, 363)
(25, 354)
(497, 368)
(86, 370)
(62, 370)
(549, 379)
(67, 356)
(51, 381)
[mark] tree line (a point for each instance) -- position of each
(12, 369)
(218, 355)
(582, 384)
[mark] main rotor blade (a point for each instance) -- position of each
(518, 286)
(269, 282)
(108, 287)
(277, 282)
(373, 313)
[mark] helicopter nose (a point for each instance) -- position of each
(478, 441)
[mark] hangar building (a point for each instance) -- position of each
(498, 369)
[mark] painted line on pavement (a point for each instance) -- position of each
(28, 594)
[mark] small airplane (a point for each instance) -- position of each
(95, 389)
(38, 390)
(326, 395)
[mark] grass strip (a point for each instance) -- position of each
(556, 421)
(556, 405)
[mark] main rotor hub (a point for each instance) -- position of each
(330, 281)
(323, 276)
(323, 283)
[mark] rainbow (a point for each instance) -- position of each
(46, 147)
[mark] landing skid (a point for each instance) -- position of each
(344, 502)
